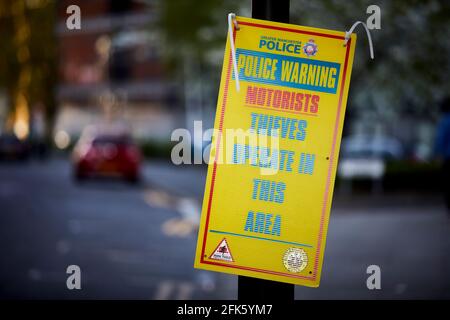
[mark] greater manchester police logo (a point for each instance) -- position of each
(310, 48)
(295, 260)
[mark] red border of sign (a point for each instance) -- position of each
(330, 167)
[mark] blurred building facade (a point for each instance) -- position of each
(114, 54)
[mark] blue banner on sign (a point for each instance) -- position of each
(287, 71)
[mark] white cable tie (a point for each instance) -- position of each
(232, 20)
(349, 33)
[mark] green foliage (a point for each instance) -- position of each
(410, 71)
(193, 29)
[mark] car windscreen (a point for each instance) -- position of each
(111, 140)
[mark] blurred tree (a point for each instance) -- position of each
(412, 49)
(28, 61)
(193, 34)
(193, 28)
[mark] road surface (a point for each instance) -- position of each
(138, 241)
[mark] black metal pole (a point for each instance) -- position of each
(273, 10)
(253, 288)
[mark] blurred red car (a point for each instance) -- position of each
(106, 154)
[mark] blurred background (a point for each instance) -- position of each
(86, 117)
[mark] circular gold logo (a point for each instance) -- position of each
(295, 259)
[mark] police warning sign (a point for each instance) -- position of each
(274, 152)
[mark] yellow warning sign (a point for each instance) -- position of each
(274, 152)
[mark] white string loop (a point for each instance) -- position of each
(232, 20)
(349, 32)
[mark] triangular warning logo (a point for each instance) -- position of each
(222, 252)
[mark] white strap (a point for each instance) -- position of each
(231, 20)
(349, 32)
